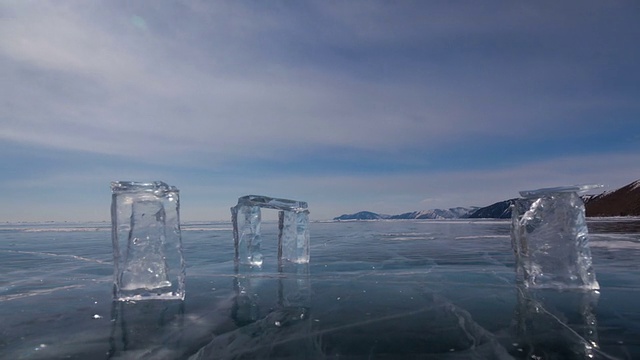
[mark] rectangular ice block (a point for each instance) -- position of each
(147, 244)
(551, 241)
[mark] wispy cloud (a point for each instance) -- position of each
(354, 95)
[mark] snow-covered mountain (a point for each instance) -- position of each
(499, 210)
(452, 213)
(624, 201)
(362, 215)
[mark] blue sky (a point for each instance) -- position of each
(349, 105)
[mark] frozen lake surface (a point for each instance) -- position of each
(373, 290)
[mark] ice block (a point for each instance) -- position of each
(147, 244)
(293, 225)
(550, 239)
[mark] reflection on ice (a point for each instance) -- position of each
(267, 316)
(552, 324)
(291, 295)
(274, 336)
(147, 330)
(276, 317)
(438, 330)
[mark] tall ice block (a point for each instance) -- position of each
(293, 225)
(550, 239)
(147, 245)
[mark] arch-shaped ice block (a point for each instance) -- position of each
(293, 225)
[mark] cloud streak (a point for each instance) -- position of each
(362, 93)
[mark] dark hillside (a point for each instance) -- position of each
(622, 202)
(499, 210)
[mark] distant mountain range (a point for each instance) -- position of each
(362, 215)
(499, 210)
(624, 201)
(453, 213)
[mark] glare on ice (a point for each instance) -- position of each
(293, 225)
(147, 244)
(550, 239)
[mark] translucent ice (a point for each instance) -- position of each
(550, 239)
(293, 236)
(556, 324)
(147, 245)
(254, 296)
